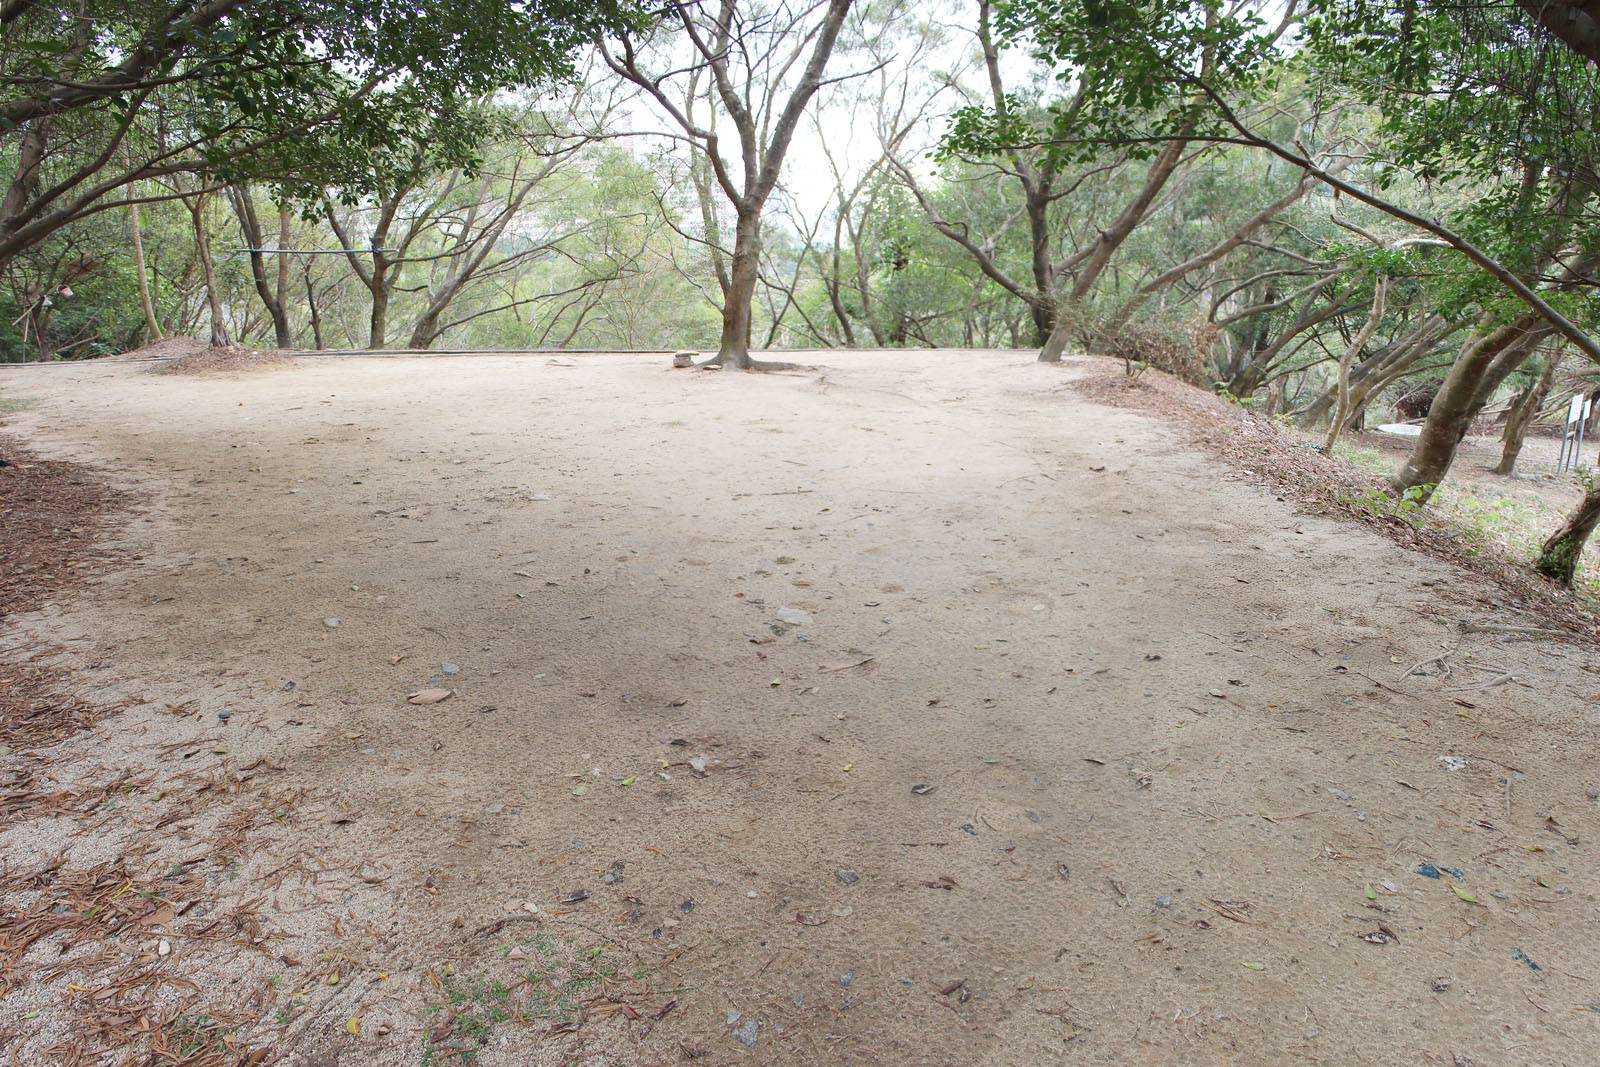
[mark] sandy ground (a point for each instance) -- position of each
(712, 634)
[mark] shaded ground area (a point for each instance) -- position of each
(916, 710)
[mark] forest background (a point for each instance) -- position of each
(1326, 210)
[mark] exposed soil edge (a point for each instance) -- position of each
(1326, 486)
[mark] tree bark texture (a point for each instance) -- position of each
(1522, 413)
(1456, 404)
(1559, 557)
(141, 272)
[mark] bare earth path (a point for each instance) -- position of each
(710, 631)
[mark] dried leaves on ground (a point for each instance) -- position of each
(205, 360)
(1325, 485)
(51, 512)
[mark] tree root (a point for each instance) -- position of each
(756, 365)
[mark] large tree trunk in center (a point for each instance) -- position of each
(378, 332)
(734, 349)
(1457, 403)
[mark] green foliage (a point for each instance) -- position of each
(1133, 74)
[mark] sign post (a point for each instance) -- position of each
(1572, 435)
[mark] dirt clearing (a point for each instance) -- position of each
(915, 710)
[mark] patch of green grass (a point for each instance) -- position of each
(475, 1005)
(197, 1035)
(10, 405)
(560, 973)
(1481, 517)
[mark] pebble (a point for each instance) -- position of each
(794, 616)
(1164, 901)
(747, 1034)
(449, 668)
(847, 875)
(224, 715)
(332, 624)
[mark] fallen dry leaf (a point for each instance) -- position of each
(430, 696)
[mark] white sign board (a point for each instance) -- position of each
(1575, 410)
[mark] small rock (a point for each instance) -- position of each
(794, 616)
(846, 978)
(847, 875)
(1164, 901)
(747, 1034)
(224, 716)
(164, 948)
(1594, 794)
(798, 1000)
(733, 1018)
(449, 668)
(332, 624)
(697, 764)
(1340, 793)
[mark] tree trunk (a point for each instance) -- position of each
(1068, 312)
(202, 247)
(152, 327)
(1559, 557)
(285, 338)
(275, 300)
(378, 331)
(1522, 413)
(1384, 368)
(1454, 407)
(316, 315)
(1380, 295)
(734, 349)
